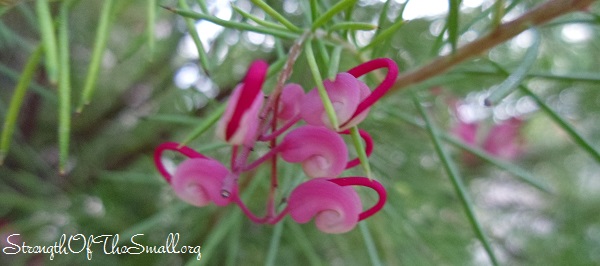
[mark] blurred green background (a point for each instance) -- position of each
(151, 88)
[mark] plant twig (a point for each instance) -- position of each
(535, 17)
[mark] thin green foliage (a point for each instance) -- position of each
(258, 20)
(369, 243)
(206, 124)
(10, 122)
(498, 13)
(274, 245)
(233, 24)
(515, 170)
(307, 247)
(511, 83)
(334, 63)
(314, 69)
(191, 27)
(360, 150)
(46, 26)
(384, 35)
(276, 15)
(203, 7)
(328, 15)
(64, 88)
(352, 26)
(457, 183)
(314, 11)
(35, 87)
(102, 33)
(570, 130)
(452, 23)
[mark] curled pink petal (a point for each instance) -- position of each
(322, 152)
(198, 182)
(380, 90)
(240, 121)
(345, 93)
(336, 209)
(365, 182)
(289, 101)
(173, 146)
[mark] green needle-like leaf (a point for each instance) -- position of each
(233, 24)
(384, 35)
(352, 26)
(360, 150)
(189, 23)
(206, 124)
(314, 69)
(337, 8)
(99, 46)
(570, 130)
(507, 166)
(369, 243)
(457, 183)
(577, 138)
(512, 82)
(17, 100)
(274, 245)
(48, 39)
(452, 23)
(64, 88)
(276, 15)
(256, 19)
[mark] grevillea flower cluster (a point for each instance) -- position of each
(309, 139)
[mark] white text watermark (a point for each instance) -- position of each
(105, 244)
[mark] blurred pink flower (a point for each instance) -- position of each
(503, 140)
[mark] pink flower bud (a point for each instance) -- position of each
(345, 93)
(240, 121)
(289, 101)
(322, 152)
(351, 98)
(198, 182)
(336, 208)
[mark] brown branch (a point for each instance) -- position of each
(535, 17)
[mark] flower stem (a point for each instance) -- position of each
(314, 69)
(360, 150)
(535, 17)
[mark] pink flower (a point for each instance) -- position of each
(504, 139)
(199, 181)
(239, 123)
(289, 101)
(351, 98)
(345, 93)
(335, 206)
(321, 151)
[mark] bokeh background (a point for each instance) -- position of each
(542, 208)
